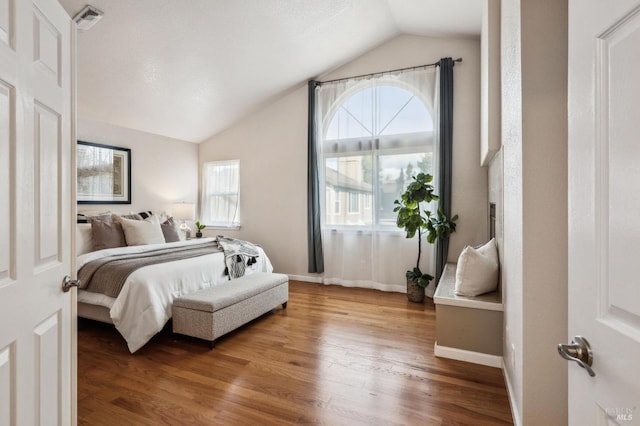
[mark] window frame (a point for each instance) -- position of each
(367, 201)
(427, 148)
(419, 143)
(236, 221)
(353, 203)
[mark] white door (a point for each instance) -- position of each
(35, 213)
(604, 208)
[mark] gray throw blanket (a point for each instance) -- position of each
(107, 275)
(238, 254)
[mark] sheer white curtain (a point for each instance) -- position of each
(374, 134)
(221, 194)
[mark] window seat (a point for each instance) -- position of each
(467, 328)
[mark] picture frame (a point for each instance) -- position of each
(103, 174)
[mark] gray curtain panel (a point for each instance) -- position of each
(314, 233)
(446, 148)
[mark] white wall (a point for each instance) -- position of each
(490, 142)
(512, 268)
(163, 170)
(272, 147)
(534, 156)
(544, 150)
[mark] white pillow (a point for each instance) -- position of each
(477, 273)
(84, 241)
(490, 250)
(140, 232)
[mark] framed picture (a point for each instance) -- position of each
(104, 174)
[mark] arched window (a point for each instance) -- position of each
(374, 142)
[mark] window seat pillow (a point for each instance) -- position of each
(478, 270)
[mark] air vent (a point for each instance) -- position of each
(87, 18)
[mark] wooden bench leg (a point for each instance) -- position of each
(284, 305)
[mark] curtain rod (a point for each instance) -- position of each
(435, 64)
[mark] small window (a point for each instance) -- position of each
(221, 194)
(367, 201)
(354, 202)
(332, 202)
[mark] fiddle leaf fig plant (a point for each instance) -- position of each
(438, 226)
(414, 221)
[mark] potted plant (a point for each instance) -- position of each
(200, 227)
(416, 221)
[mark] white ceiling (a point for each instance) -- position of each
(189, 69)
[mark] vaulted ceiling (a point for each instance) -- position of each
(189, 69)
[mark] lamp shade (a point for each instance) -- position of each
(184, 211)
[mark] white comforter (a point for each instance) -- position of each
(143, 306)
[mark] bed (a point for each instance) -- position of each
(143, 305)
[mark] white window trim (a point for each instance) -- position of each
(236, 224)
(349, 203)
(367, 201)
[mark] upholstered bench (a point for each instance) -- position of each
(212, 312)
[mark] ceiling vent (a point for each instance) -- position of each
(87, 18)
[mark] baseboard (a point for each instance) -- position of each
(467, 356)
(347, 283)
(305, 278)
(510, 394)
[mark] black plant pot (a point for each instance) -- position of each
(198, 234)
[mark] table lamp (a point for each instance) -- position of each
(183, 212)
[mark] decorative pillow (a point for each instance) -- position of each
(145, 214)
(134, 216)
(171, 231)
(84, 242)
(93, 213)
(476, 273)
(107, 234)
(163, 217)
(490, 250)
(140, 232)
(86, 218)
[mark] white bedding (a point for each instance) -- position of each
(143, 306)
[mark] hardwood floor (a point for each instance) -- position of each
(335, 356)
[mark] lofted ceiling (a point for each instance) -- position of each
(189, 69)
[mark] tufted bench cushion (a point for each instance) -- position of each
(212, 312)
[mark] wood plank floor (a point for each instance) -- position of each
(335, 356)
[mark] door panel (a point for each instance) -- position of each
(35, 213)
(7, 147)
(47, 179)
(49, 386)
(46, 45)
(7, 385)
(619, 60)
(6, 22)
(604, 201)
